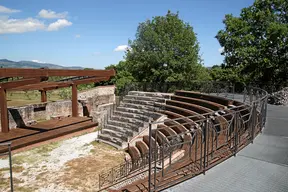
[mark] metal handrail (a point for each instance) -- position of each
(256, 98)
(8, 144)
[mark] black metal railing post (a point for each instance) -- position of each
(250, 96)
(205, 145)
(150, 157)
(236, 124)
(162, 153)
(254, 116)
(155, 158)
(8, 144)
(10, 164)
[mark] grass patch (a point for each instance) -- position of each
(47, 148)
(15, 169)
(103, 157)
(35, 154)
(98, 144)
(5, 184)
(23, 189)
(20, 98)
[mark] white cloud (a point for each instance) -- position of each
(49, 14)
(77, 36)
(8, 25)
(7, 10)
(221, 49)
(60, 23)
(37, 61)
(121, 48)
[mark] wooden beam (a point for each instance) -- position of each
(21, 72)
(43, 86)
(74, 101)
(91, 80)
(19, 83)
(43, 96)
(56, 85)
(4, 111)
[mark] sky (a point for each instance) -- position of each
(94, 33)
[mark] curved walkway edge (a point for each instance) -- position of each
(259, 167)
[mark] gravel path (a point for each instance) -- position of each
(39, 169)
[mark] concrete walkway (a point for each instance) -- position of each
(259, 167)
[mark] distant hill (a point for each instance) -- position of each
(4, 63)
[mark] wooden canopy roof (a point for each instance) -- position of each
(37, 79)
(34, 79)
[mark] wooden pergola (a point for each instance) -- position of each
(36, 79)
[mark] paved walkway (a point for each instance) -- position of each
(259, 167)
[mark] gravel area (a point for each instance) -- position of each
(59, 166)
(279, 97)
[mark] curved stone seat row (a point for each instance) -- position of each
(183, 109)
(194, 106)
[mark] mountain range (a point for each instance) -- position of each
(5, 63)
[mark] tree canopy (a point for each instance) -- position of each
(165, 50)
(123, 76)
(256, 42)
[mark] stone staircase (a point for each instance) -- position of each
(132, 117)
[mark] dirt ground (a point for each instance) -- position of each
(71, 165)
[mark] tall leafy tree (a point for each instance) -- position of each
(123, 76)
(165, 50)
(256, 43)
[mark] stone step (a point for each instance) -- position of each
(116, 134)
(124, 125)
(132, 115)
(151, 94)
(127, 132)
(137, 111)
(145, 98)
(128, 120)
(118, 143)
(139, 102)
(139, 106)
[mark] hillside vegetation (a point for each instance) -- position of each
(4, 63)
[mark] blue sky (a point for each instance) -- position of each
(86, 33)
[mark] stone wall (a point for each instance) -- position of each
(92, 103)
(100, 105)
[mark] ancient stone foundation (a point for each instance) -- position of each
(93, 102)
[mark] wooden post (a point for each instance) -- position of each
(4, 111)
(74, 101)
(43, 96)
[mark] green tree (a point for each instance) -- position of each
(224, 74)
(219, 73)
(165, 50)
(123, 76)
(256, 43)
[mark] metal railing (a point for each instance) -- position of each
(207, 141)
(211, 141)
(8, 144)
